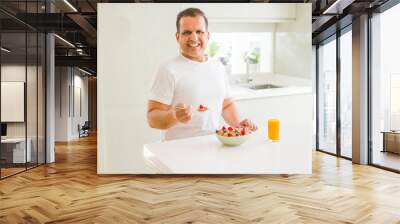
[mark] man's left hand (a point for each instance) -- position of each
(248, 124)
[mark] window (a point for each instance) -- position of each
(327, 97)
(237, 50)
(346, 94)
(394, 101)
(385, 89)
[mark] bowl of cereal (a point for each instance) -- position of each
(233, 136)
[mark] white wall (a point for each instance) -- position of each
(293, 44)
(80, 109)
(133, 39)
(68, 81)
(61, 103)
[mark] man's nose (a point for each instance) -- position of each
(194, 36)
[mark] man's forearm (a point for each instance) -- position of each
(161, 119)
(231, 114)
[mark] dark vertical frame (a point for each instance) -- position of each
(37, 89)
(317, 96)
(46, 2)
(338, 82)
(369, 90)
(26, 86)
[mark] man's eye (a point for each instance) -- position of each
(186, 33)
(199, 32)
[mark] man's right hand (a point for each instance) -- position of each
(183, 113)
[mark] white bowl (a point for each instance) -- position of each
(233, 141)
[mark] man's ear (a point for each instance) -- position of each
(177, 36)
(208, 35)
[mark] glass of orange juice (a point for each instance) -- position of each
(273, 129)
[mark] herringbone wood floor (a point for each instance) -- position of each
(70, 191)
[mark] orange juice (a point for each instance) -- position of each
(273, 129)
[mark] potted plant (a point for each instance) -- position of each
(212, 49)
(252, 60)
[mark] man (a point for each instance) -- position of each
(189, 80)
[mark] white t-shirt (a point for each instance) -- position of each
(182, 80)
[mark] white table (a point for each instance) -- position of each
(18, 149)
(206, 155)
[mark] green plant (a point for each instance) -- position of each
(253, 57)
(212, 49)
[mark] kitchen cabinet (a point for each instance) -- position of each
(294, 110)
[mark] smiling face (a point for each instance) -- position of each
(193, 37)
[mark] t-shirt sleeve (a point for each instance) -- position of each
(162, 88)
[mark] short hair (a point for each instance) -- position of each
(190, 12)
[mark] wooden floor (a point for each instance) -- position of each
(5, 172)
(70, 191)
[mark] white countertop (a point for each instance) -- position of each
(290, 86)
(243, 93)
(206, 155)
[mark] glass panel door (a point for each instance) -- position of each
(346, 94)
(327, 97)
(13, 147)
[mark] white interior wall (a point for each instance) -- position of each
(62, 80)
(292, 40)
(68, 80)
(80, 114)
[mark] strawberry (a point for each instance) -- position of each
(230, 129)
(242, 132)
(229, 135)
(202, 108)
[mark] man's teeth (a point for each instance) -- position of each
(194, 45)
